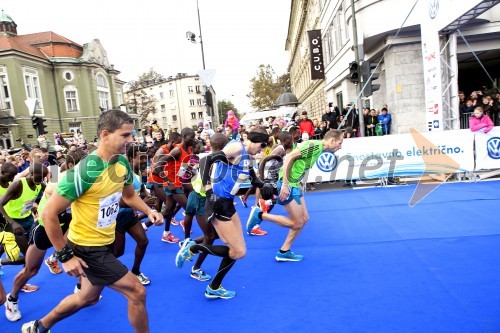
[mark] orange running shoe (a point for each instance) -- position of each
(29, 288)
(257, 231)
(53, 266)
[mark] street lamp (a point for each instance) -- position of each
(191, 36)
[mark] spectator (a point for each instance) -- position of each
(279, 121)
(306, 125)
(480, 122)
(385, 119)
(208, 130)
(233, 122)
(330, 117)
(158, 138)
(318, 131)
(371, 122)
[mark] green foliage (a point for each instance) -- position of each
(138, 100)
(266, 87)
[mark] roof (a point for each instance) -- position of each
(4, 17)
(44, 45)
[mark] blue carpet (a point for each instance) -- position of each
(372, 264)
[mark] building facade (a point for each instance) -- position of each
(389, 34)
(72, 83)
(179, 101)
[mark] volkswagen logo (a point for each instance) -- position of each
(433, 8)
(327, 161)
(493, 147)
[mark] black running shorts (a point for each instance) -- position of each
(219, 208)
(104, 269)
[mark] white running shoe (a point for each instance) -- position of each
(12, 310)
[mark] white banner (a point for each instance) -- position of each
(397, 154)
(488, 149)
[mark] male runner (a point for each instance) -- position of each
(231, 164)
(93, 189)
(38, 243)
(294, 168)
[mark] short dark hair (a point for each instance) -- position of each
(111, 120)
(75, 156)
(218, 141)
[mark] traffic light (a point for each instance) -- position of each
(41, 126)
(34, 121)
(209, 102)
(354, 72)
(368, 76)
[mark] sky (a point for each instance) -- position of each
(238, 36)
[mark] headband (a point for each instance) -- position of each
(258, 137)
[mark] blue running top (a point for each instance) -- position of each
(225, 175)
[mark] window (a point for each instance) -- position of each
(191, 102)
(340, 100)
(5, 101)
(103, 91)
(119, 97)
(172, 106)
(71, 98)
(163, 109)
(68, 75)
(200, 115)
(73, 127)
(32, 85)
(162, 95)
(164, 119)
(193, 115)
(198, 90)
(190, 89)
(199, 101)
(171, 92)
(174, 118)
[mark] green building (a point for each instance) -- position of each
(72, 84)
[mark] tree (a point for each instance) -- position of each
(266, 87)
(137, 98)
(225, 105)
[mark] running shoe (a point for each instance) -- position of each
(143, 279)
(183, 228)
(200, 275)
(184, 253)
(265, 205)
(243, 200)
(174, 222)
(53, 266)
(12, 310)
(29, 288)
(31, 327)
(253, 219)
(257, 231)
(219, 293)
(288, 256)
(170, 238)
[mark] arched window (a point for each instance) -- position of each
(103, 91)
(71, 98)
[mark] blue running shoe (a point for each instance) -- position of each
(184, 253)
(200, 275)
(288, 256)
(219, 293)
(253, 219)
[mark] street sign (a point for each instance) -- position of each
(31, 104)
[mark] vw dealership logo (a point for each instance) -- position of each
(493, 147)
(327, 161)
(433, 8)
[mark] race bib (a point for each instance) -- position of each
(108, 210)
(27, 205)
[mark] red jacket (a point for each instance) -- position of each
(306, 125)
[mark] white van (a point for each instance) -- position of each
(286, 113)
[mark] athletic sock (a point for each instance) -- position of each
(215, 250)
(12, 299)
(79, 286)
(224, 267)
(281, 251)
(41, 328)
(135, 271)
(260, 215)
(52, 259)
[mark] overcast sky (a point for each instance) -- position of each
(238, 36)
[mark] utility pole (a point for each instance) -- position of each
(201, 38)
(356, 57)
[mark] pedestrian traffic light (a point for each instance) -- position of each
(354, 72)
(369, 77)
(34, 121)
(41, 126)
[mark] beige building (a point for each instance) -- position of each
(179, 102)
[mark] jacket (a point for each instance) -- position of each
(483, 123)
